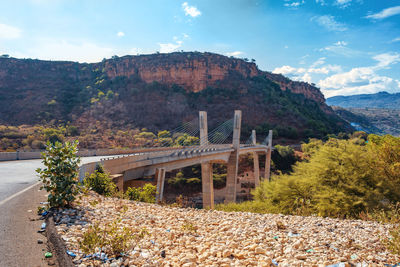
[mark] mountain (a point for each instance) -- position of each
(160, 91)
(372, 120)
(378, 100)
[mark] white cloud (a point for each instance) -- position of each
(358, 81)
(329, 23)
(386, 59)
(343, 3)
(234, 54)
(286, 47)
(71, 51)
(190, 10)
(321, 2)
(120, 34)
(285, 70)
(9, 32)
(169, 47)
(294, 4)
(388, 12)
(185, 35)
(305, 74)
(396, 40)
(363, 79)
(319, 61)
(340, 48)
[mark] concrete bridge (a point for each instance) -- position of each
(159, 160)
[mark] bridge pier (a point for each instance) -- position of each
(232, 168)
(268, 158)
(160, 178)
(207, 185)
(256, 164)
(206, 167)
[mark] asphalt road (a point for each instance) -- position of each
(20, 174)
(19, 198)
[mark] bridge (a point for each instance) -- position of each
(211, 149)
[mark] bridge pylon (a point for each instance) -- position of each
(267, 175)
(206, 167)
(256, 164)
(233, 161)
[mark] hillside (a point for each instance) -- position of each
(160, 91)
(372, 120)
(379, 100)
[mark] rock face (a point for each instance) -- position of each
(196, 71)
(193, 71)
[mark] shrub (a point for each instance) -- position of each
(60, 175)
(144, 194)
(283, 158)
(100, 182)
(113, 238)
(341, 179)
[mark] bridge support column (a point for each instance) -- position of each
(268, 158)
(160, 178)
(256, 164)
(206, 168)
(207, 185)
(232, 168)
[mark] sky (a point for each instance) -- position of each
(344, 47)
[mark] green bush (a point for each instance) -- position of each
(60, 175)
(283, 158)
(144, 194)
(113, 238)
(340, 178)
(100, 182)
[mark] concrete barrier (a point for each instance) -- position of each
(21, 155)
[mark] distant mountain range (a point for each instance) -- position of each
(378, 100)
(373, 113)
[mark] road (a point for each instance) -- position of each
(19, 198)
(20, 174)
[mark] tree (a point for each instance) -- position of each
(60, 175)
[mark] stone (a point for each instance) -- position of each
(259, 250)
(301, 257)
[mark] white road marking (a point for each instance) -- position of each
(18, 193)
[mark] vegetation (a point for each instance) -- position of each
(112, 238)
(338, 178)
(60, 174)
(100, 182)
(144, 194)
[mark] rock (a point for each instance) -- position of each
(189, 258)
(226, 253)
(301, 257)
(259, 250)
(40, 241)
(114, 264)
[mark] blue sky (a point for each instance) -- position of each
(343, 46)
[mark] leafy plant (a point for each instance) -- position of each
(112, 238)
(60, 175)
(100, 182)
(143, 194)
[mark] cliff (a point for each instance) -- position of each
(197, 71)
(160, 91)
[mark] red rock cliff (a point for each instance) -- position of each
(195, 71)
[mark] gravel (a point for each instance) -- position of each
(195, 237)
